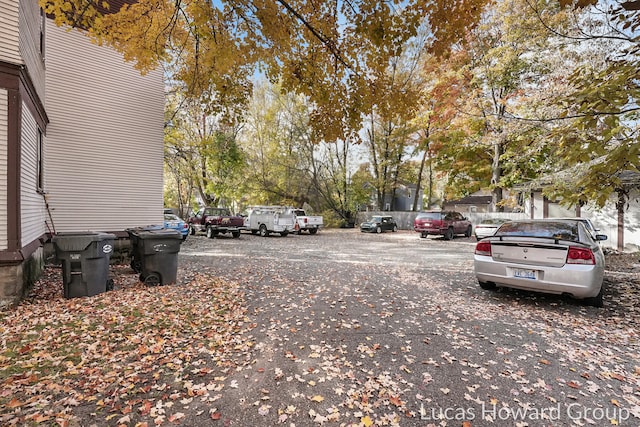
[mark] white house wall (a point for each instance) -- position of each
(33, 217)
(9, 44)
(4, 138)
(104, 142)
(30, 26)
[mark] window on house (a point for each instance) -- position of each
(43, 21)
(40, 165)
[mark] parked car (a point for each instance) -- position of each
(487, 227)
(264, 220)
(545, 255)
(378, 224)
(174, 222)
(443, 223)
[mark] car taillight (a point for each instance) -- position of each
(483, 248)
(185, 225)
(580, 256)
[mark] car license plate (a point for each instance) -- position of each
(524, 274)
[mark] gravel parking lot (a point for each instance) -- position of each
(363, 329)
(341, 328)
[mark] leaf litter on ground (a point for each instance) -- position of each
(133, 355)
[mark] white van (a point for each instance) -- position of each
(270, 219)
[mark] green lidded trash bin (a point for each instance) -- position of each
(85, 262)
(136, 246)
(159, 255)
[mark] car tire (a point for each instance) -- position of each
(448, 235)
(395, 228)
(263, 231)
(423, 235)
(378, 230)
(192, 230)
(596, 301)
(487, 286)
(284, 233)
(468, 232)
(235, 234)
(313, 230)
(210, 233)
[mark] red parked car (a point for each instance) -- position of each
(442, 223)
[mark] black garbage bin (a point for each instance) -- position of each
(136, 247)
(159, 256)
(85, 262)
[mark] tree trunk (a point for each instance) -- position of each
(496, 174)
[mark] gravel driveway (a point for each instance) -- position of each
(363, 329)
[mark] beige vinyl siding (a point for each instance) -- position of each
(104, 145)
(32, 215)
(9, 45)
(30, 22)
(4, 111)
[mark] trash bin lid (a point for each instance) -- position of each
(163, 233)
(136, 230)
(80, 240)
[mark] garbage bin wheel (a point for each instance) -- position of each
(152, 280)
(110, 285)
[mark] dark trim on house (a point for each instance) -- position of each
(18, 256)
(33, 102)
(545, 207)
(19, 86)
(14, 228)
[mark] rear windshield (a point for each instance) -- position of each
(429, 215)
(555, 230)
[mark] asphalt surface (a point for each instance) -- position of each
(349, 328)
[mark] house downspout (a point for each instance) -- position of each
(52, 229)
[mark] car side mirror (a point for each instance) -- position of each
(601, 237)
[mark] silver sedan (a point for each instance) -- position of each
(488, 227)
(544, 255)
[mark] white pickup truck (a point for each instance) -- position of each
(264, 220)
(306, 222)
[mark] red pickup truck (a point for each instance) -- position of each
(215, 221)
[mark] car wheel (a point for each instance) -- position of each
(313, 230)
(448, 235)
(423, 235)
(192, 230)
(263, 231)
(210, 233)
(235, 234)
(468, 232)
(596, 301)
(284, 233)
(487, 286)
(378, 230)
(395, 228)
